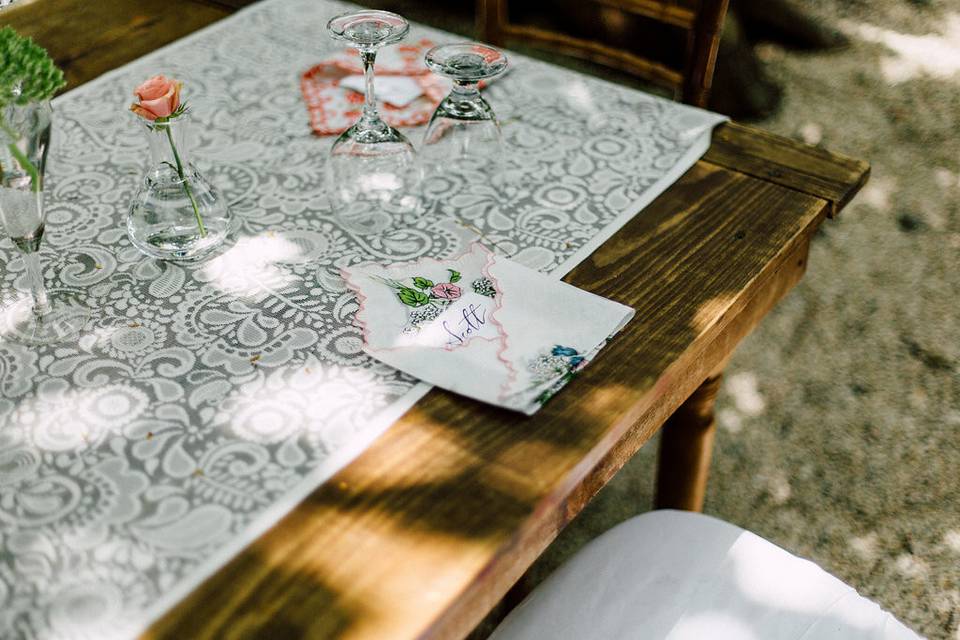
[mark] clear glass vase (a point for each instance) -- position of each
(43, 317)
(176, 214)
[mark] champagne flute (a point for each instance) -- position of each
(44, 318)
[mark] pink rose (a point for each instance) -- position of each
(446, 290)
(159, 97)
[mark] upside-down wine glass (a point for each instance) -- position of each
(463, 134)
(45, 317)
(372, 167)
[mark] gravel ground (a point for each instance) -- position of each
(840, 415)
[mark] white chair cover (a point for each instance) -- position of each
(678, 575)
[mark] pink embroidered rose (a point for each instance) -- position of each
(158, 98)
(446, 290)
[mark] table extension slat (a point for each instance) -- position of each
(808, 169)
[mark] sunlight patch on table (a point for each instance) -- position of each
(710, 311)
(251, 266)
(60, 419)
(603, 401)
(319, 400)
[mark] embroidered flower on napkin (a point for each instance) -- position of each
(482, 326)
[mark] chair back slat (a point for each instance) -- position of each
(667, 12)
(702, 22)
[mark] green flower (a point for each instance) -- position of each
(27, 73)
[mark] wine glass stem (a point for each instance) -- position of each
(466, 90)
(41, 304)
(370, 101)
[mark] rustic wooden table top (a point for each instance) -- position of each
(428, 528)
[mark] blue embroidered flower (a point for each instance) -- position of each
(550, 372)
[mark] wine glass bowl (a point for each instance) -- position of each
(372, 170)
(463, 134)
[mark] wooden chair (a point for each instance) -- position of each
(690, 83)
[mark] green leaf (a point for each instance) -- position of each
(422, 283)
(412, 297)
(454, 275)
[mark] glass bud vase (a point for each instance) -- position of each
(176, 214)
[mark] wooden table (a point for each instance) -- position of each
(426, 531)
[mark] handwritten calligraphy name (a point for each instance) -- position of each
(473, 319)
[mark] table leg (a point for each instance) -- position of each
(686, 442)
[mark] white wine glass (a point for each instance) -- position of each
(463, 135)
(372, 171)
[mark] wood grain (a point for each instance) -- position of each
(833, 177)
(691, 84)
(428, 528)
(597, 52)
(87, 39)
(686, 445)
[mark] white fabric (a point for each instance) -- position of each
(684, 576)
(482, 325)
(396, 90)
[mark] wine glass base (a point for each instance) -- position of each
(63, 322)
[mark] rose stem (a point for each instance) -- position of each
(186, 183)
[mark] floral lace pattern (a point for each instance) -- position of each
(137, 460)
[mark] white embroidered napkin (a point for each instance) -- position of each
(396, 90)
(482, 326)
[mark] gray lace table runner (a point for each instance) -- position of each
(203, 402)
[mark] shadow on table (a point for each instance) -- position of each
(238, 607)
